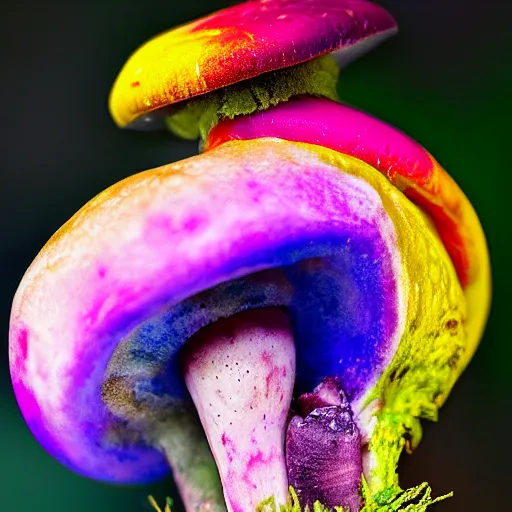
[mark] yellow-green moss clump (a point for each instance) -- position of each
(416, 499)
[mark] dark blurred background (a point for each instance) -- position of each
(446, 80)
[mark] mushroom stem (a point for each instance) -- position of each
(240, 372)
(193, 467)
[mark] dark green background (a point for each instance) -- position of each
(445, 80)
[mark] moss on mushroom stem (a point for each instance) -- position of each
(198, 116)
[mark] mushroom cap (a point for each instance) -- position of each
(238, 43)
(406, 164)
(163, 253)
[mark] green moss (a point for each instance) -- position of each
(409, 397)
(416, 499)
(198, 116)
(154, 504)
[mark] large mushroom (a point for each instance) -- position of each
(273, 312)
(252, 225)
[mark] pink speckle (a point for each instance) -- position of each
(23, 343)
(257, 459)
(160, 227)
(19, 352)
(229, 445)
(266, 358)
(274, 378)
(235, 507)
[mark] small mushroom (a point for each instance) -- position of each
(102, 315)
(237, 44)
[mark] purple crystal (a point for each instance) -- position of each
(323, 451)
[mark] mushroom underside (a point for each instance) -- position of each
(338, 328)
(334, 326)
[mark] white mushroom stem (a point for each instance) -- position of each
(240, 372)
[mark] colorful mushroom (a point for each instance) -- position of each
(274, 315)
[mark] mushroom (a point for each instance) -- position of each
(100, 317)
(279, 310)
(415, 172)
(240, 43)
